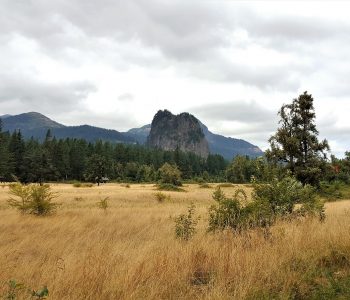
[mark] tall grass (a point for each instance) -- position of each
(131, 252)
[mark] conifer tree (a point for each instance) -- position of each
(296, 144)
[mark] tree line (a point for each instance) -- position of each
(76, 159)
(294, 150)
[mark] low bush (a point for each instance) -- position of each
(204, 186)
(226, 184)
(277, 199)
(33, 199)
(16, 290)
(170, 174)
(332, 191)
(169, 187)
(83, 184)
(185, 224)
(161, 197)
(103, 203)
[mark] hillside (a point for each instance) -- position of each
(218, 144)
(35, 125)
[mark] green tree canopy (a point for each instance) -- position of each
(296, 144)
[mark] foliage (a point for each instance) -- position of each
(283, 195)
(15, 288)
(230, 212)
(295, 143)
(33, 199)
(103, 203)
(170, 174)
(185, 224)
(277, 199)
(96, 168)
(204, 185)
(76, 159)
(82, 184)
(169, 187)
(243, 168)
(41, 294)
(161, 197)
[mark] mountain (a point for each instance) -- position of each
(218, 144)
(229, 147)
(35, 125)
(139, 134)
(4, 116)
(181, 131)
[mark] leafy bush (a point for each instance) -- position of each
(161, 197)
(270, 201)
(331, 190)
(15, 290)
(204, 185)
(283, 195)
(103, 203)
(231, 212)
(170, 174)
(169, 187)
(185, 225)
(83, 185)
(33, 199)
(226, 184)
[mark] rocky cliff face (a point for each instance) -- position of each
(170, 131)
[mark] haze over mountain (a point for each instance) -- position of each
(35, 125)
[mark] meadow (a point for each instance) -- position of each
(129, 250)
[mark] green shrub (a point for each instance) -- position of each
(226, 184)
(231, 212)
(161, 197)
(331, 190)
(282, 196)
(277, 199)
(79, 199)
(204, 186)
(17, 290)
(185, 224)
(13, 288)
(103, 203)
(83, 185)
(169, 187)
(170, 174)
(33, 199)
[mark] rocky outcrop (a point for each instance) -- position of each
(182, 131)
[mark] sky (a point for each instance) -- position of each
(115, 63)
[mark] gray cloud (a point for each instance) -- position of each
(126, 97)
(29, 94)
(241, 111)
(216, 43)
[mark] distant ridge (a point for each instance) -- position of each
(34, 124)
(218, 144)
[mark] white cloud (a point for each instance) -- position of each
(115, 63)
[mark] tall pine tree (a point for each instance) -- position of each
(296, 143)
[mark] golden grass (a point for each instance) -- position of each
(130, 251)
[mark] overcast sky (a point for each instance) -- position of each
(232, 64)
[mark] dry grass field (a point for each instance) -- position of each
(130, 250)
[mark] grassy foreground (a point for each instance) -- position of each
(130, 251)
